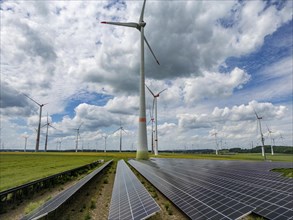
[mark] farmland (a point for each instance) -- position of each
(19, 168)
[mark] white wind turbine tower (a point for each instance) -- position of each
(261, 134)
(272, 140)
(120, 129)
(152, 120)
(105, 137)
(155, 106)
(39, 125)
(215, 134)
(58, 144)
(48, 124)
(25, 141)
(142, 150)
(77, 136)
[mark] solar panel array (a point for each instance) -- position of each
(130, 200)
(54, 203)
(209, 189)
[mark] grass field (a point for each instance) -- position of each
(19, 168)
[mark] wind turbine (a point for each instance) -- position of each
(142, 150)
(25, 141)
(215, 134)
(77, 136)
(152, 120)
(155, 106)
(105, 137)
(261, 134)
(47, 125)
(272, 140)
(39, 125)
(58, 144)
(121, 130)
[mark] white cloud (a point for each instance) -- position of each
(214, 85)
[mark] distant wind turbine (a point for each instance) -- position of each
(105, 137)
(39, 125)
(272, 140)
(152, 121)
(215, 134)
(58, 144)
(77, 136)
(142, 150)
(155, 106)
(25, 141)
(121, 130)
(47, 128)
(261, 134)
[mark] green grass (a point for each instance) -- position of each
(239, 156)
(287, 172)
(19, 168)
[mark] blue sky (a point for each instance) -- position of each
(219, 61)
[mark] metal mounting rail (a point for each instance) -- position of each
(54, 203)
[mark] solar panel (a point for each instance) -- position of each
(221, 189)
(54, 203)
(130, 200)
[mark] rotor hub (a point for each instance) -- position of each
(142, 24)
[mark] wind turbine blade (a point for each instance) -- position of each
(151, 50)
(161, 91)
(142, 12)
(256, 114)
(80, 125)
(125, 24)
(32, 99)
(52, 126)
(150, 90)
(150, 110)
(268, 129)
(153, 108)
(124, 131)
(116, 131)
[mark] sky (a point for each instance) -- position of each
(219, 61)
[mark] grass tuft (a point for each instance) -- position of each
(32, 206)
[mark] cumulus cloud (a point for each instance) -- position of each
(124, 105)
(214, 85)
(234, 114)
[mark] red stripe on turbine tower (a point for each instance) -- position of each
(142, 119)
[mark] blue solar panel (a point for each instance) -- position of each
(221, 189)
(130, 200)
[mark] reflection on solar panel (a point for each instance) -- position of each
(130, 200)
(205, 189)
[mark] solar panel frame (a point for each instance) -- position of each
(130, 199)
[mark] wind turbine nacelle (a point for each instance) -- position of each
(142, 24)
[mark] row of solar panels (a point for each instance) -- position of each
(53, 204)
(205, 189)
(130, 200)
